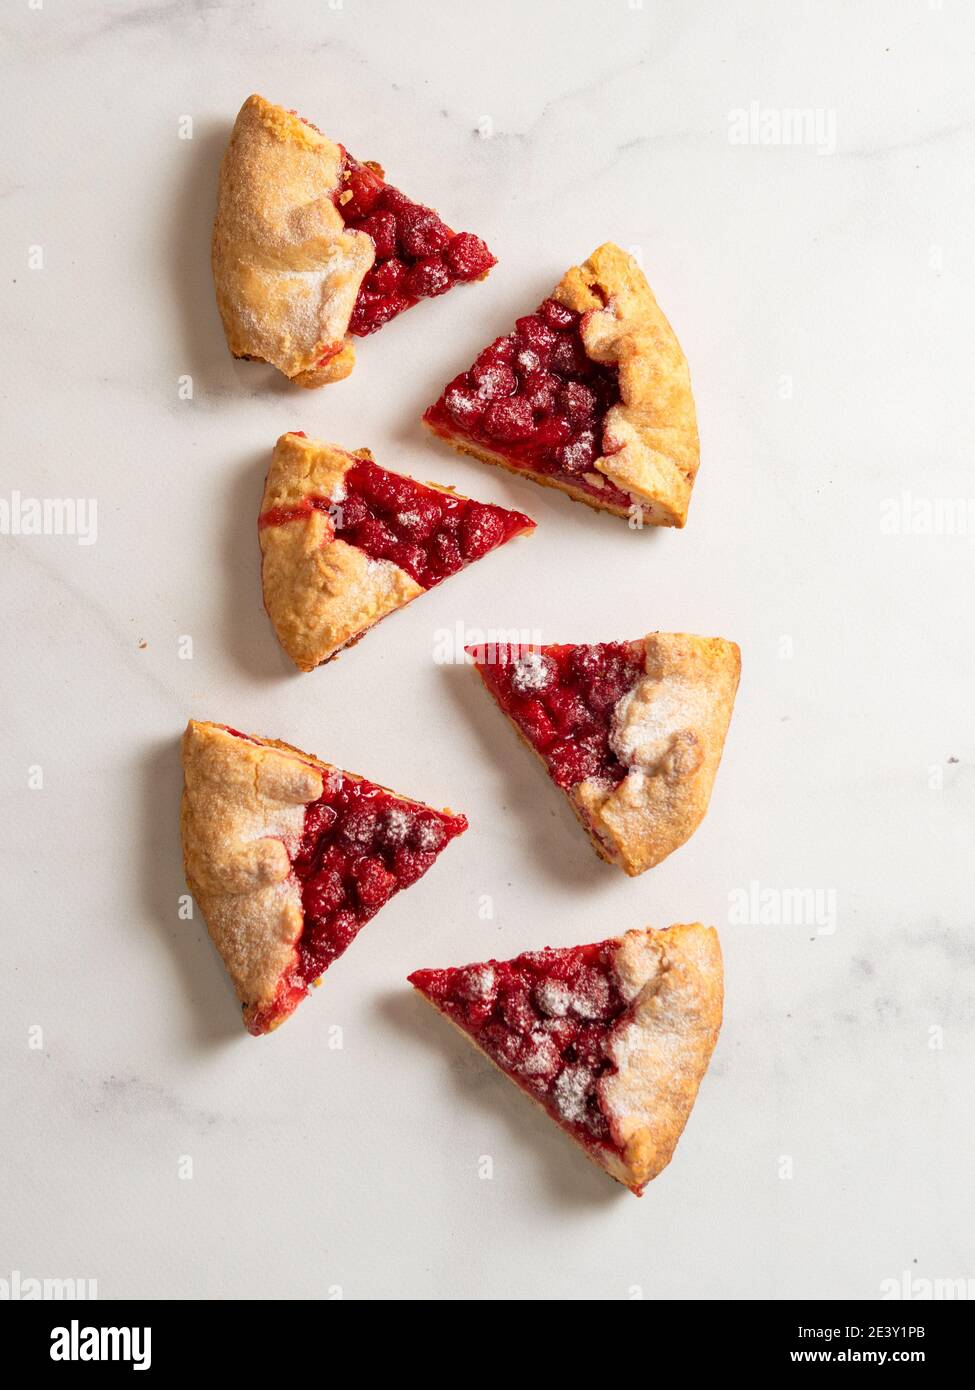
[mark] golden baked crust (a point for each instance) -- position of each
(673, 981)
(651, 436)
(242, 817)
(650, 439)
(319, 592)
(287, 271)
(669, 733)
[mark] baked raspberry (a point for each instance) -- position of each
(534, 721)
(549, 399)
(358, 829)
(427, 278)
(539, 389)
(381, 226)
(430, 534)
(577, 402)
(324, 894)
(373, 310)
(468, 257)
(445, 555)
(364, 185)
(533, 1016)
(374, 883)
(481, 529)
(494, 380)
(428, 257)
(386, 279)
(464, 405)
(375, 538)
(557, 316)
(421, 233)
(508, 420)
(562, 699)
(351, 861)
(534, 333)
(411, 864)
(579, 455)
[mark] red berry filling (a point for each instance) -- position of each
(361, 844)
(536, 398)
(429, 534)
(544, 1018)
(417, 254)
(562, 699)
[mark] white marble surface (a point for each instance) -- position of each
(824, 297)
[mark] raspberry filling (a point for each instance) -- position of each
(417, 255)
(428, 533)
(360, 845)
(535, 398)
(544, 1018)
(562, 699)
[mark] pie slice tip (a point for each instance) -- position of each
(289, 857)
(590, 394)
(345, 542)
(612, 1039)
(631, 732)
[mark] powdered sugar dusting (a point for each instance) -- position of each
(429, 835)
(531, 673)
(648, 717)
(553, 998)
(460, 404)
(385, 576)
(579, 456)
(397, 825)
(494, 382)
(571, 1091)
(477, 982)
(539, 1056)
(590, 996)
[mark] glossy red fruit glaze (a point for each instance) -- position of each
(535, 398)
(359, 847)
(429, 534)
(562, 699)
(544, 1018)
(417, 254)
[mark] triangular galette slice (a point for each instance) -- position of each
(589, 394)
(312, 249)
(631, 731)
(344, 542)
(611, 1039)
(289, 857)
